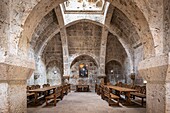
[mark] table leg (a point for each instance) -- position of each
(36, 97)
(76, 88)
(128, 100)
(117, 93)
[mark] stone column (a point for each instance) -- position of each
(154, 70)
(103, 52)
(13, 88)
(63, 32)
(66, 64)
(102, 74)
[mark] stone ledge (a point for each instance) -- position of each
(154, 69)
(19, 61)
(13, 72)
(154, 62)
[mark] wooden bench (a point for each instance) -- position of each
(141, 93)
(97, 89)
(107, 94)
(101, 89)
(69, 87)
(65, 89)
(56, 94)
(30, 94)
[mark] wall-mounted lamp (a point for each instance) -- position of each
(111, 71)
(144, 81)
(55, 72)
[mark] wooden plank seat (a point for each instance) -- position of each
(140, 94)
(107, 94)
(30, 94)
(101, 88)
(56, 94)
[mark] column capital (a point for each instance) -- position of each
(14, 68)
(101, 76)
(155, 69)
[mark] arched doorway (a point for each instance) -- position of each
(84, 70)
(114, 72)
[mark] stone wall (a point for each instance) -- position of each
(92, 71)
(126, 29)
(166, 26)
(116, 52)
(4, 26)
(127, 70)
(53, 50)
(84, 37)
(113, 49)
(39, 76)
(19, 20)
(138, 57)
(54, 74)
(114, 72)
(44, 70)
(31, 80)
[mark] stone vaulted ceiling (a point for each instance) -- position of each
(46, 27)
(82, 37)
(126, 29)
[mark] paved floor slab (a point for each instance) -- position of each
(76, 102)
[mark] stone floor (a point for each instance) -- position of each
(76, 102)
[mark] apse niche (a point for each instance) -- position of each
(114, 72)
(53, 74)
(84, 70)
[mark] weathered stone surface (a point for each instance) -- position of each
(156, 97)
(166, 39)
(141, 27)
(4, 97)
(84, 37)
(13, 88)
(114, 72)
(91, 66)
(154, 70)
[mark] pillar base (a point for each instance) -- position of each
(154, 71)
(13, 97)
(156, 97)
(13, 84)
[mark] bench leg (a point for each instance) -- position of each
(109, 102)
(142, 101)
(61, 96)
(118, 102)
(46, 101)
(55, 102)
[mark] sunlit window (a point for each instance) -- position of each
(84, 5)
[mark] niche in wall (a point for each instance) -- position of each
(114, 72)
(84, 70)
(54, 74)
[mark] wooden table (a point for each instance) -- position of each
(82, 88)
(122, 89)
(36, 91)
